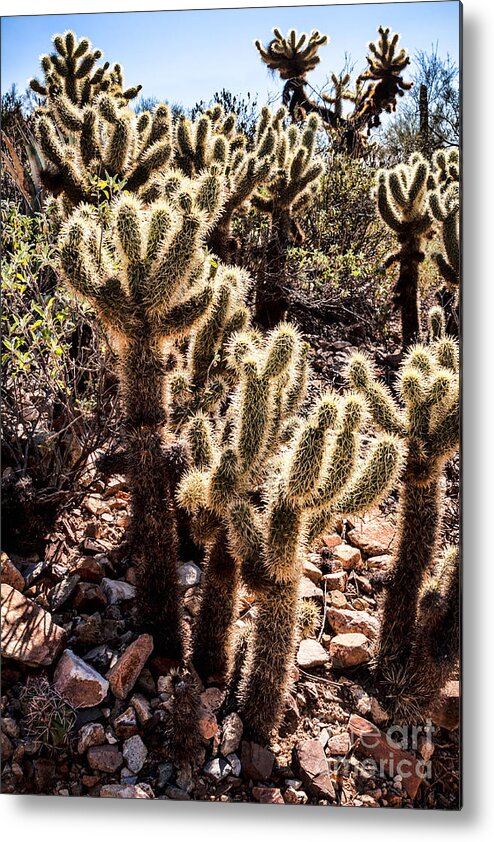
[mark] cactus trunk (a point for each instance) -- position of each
(262, 691)
(153, 531)
(420, 518)
(406, 296)
(213, 633)
(271, 298)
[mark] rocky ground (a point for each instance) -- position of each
(86, 705)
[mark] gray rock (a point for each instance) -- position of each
(217, 769)
(116, 591)
(165, 772)
(235, 764)
(189, 574)
(59, 595)
(135, 753)
(232, 734)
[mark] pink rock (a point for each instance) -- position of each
(105, 758)
(310, 763)
(339, 744)
(212, 698)
(91, 734)
(257, 761)
(267, 795)
(28, 631)
(349, 557)
(349, 650)
(308, 590)
(10, 574)
(207, 724)
(311, 570)
(78, 682)
(335, 581)
(391, 759)
(373, 535)
(446, 711)
(346, 621)
(311, 654)
(125, 672)
(126, 791)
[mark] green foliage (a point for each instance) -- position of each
(58, 399)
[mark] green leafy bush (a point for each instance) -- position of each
(58, 399)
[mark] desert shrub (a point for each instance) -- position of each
(58, 400)
(337, 272)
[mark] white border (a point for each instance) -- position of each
(44, 818)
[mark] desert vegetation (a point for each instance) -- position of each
(230, 438)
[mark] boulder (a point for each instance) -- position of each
(350, 557)
(232, 731)
(311, 654)
(346, 621)
(79, 684)
(310, 763)
(10, 575)
(105, 758)
(28, 631)
(349, 650)
(135, 753)
(371, 742)
(373, 535)
(257, 761)
(125, 672)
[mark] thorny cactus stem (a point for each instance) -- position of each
(436, 639)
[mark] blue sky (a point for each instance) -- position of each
(186, 56)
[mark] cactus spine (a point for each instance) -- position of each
(273, 504)
(428, 425)
(403, 204)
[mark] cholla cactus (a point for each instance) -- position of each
(72, 70)
(105, 138)
(445, 207)
(403, 204)
(213, 137)
(293, 56)
(293, 185)
(429, 426)
(376, 89)
(446, 167)
(301, 491)
(384, 70)
(86, 131)
(148, 282)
